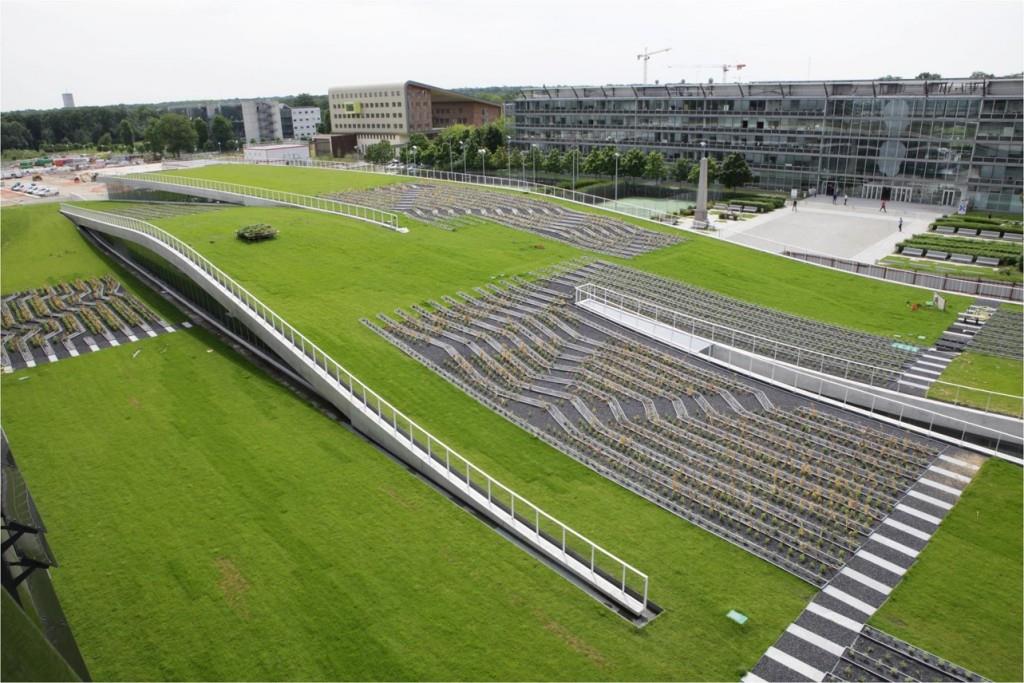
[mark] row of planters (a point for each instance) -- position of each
(878, 656)
(1008, 253)
(96, 305)
(981, 222)
(804, 515)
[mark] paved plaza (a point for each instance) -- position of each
(856, 231)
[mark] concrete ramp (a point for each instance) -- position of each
(660, 331)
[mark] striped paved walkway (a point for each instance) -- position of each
(811, 647)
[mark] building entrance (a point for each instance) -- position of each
(887, 192)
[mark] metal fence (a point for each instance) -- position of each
(558, 541)
(359, 212)
(614, 206)
(1011, 291)
(836, 366)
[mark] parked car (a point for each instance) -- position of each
(18, 187)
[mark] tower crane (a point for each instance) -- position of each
(726, 68)
(646, 56)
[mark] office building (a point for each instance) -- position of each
(304, 121)
(262, 121)
(69, 100)
(393, 111)
(934, 142)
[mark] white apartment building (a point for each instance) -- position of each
(304, 122)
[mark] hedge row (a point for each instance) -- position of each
(980, 223)
(761, 201)
(1008, 253)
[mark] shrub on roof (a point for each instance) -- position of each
(256, 233)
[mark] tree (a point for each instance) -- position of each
(155, 137)
(654, 166)
(534, 157)
(202, 132)
(633, 163)
(125, 133)
(15, 135)
(379, 153)
(981, 74)
(712, 172)
(600, 161)
(516, 159)
(494, 136)
(105, 142)
(928, 76)
(681, 169)
(571, 161)
(222, 132)
(304, 99)
(735, 172)
(553, 161)
(498, 159)
(172, 132)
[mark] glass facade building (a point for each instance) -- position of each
(934, 142)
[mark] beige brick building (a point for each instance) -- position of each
(392, 111)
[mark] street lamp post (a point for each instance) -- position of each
(508, 154)
(616, 155)
(464, 151)
(533, 153)
(483, 161)
(415, 151)
(451, 162)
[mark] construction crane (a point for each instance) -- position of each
(726, 68)
(646, 56)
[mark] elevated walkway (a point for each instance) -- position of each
(576, 556)
(989, 433)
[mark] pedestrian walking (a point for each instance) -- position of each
(882, 208)
(846, 198)
(900, 226)
(794, 204)
(835, 198)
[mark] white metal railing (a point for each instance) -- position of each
(357, 211)
(574, 196)
(630, 582)
(770, 348)
(812, 383)
(817, 258)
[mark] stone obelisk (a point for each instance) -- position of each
(700, 212)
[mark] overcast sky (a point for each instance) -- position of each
(113, 51)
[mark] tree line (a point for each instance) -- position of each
(486, 148)
(116, 127)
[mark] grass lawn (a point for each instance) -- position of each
(40, 247)
(996, 373)
(212, 526)
(962, 600)
(1004, 274)
(798, 288)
